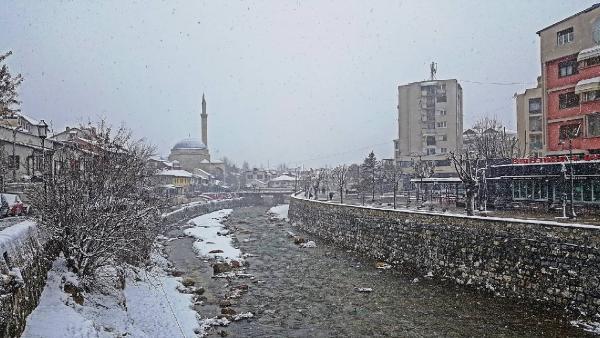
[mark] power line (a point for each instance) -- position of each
(332, 155)
(498, 83)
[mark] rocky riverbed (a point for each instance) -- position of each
(322, 291)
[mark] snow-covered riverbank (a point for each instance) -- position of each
(149, 306)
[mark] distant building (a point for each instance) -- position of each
(430, 123)
(171, 182)
(193, 153)
(283, 181)
(530, 125)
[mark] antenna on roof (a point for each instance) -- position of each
(433, 70)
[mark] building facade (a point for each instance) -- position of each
(530, 131)
(570, 89)
(430, 123)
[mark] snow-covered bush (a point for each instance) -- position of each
(97, 204)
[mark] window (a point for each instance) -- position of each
(443, 150)
(568, 100)
(593, 124)
(590, 96)
(441, 98)
(14, 162)
(535, 142)
(430, 140)
(441, 124)
(535, 106)
(442, 113)
(442, 138)
(569, 131)
(430, 151)
(567, 68)
(564, 36)
(590, 62)
(535, 123)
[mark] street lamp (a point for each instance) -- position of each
(572, 214)
(14, 163)
(43, 133)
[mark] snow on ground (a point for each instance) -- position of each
(212, 239)
(592, 327)
(149, 307)
(280, 211)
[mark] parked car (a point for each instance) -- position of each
(15, 205)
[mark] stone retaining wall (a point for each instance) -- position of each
(540, 261)
(26, 257)
(194, 210)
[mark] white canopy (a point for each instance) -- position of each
(589, 53)
(588, 85)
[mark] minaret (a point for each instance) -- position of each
(204, 117)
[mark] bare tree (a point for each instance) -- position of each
(422, 169)
(317, 177)
(488, 138)
(306, 183)
(392, 173)
(340, 177)
(98, 205)
(466, 164)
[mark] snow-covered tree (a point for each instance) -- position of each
(9, 97)
(369, 174)
(98, 205)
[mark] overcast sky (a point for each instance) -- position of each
(300, 82)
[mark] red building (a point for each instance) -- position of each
(570, 60)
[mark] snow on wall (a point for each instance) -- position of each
(25, 258)
(194, 210)
(541, 261)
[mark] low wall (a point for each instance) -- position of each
(194, 209)
(26, 257)
(540, 261)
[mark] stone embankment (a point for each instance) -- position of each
(26, 258)
(541, 261)
(195, 209)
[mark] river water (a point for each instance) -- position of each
(312, 292)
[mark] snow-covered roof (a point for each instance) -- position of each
(436, 180)
(202, 173)
(429, 83)
(176, 173)
(205, 161)
(30, 119)
(284, 178)
(190, 143)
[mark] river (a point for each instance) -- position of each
(312, 292)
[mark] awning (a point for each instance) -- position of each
(587, 85)
(588, 53)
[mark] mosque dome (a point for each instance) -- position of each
(189, 143)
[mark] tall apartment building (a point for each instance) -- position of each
(430, 123)
(570, 86)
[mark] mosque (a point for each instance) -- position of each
(193, 154)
